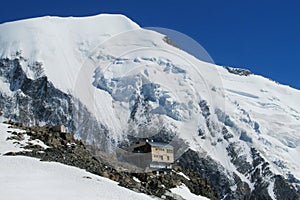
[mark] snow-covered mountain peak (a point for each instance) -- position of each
(106, 79)
(113, 23)
(61, 44)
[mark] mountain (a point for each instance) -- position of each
(112, 82)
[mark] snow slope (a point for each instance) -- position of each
(28, 178)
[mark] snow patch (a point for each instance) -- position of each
(184, 192)
(185, 176)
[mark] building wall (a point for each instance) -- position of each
(162, 154)
(141, 160)
(60, 128)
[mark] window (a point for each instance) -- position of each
(168, 157)
(169, 151)
(161, 157)
(159, 149)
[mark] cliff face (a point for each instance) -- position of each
(38, 102)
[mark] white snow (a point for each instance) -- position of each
(8, 145)
(271, 190)
(185, 176)
(184, 192)
(36, 142)
(28, 178)
(136, 179)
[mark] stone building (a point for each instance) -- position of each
(59, 128)
(148, 155)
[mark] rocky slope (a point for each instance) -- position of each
(63, 148)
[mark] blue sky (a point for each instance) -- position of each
(260, 35)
